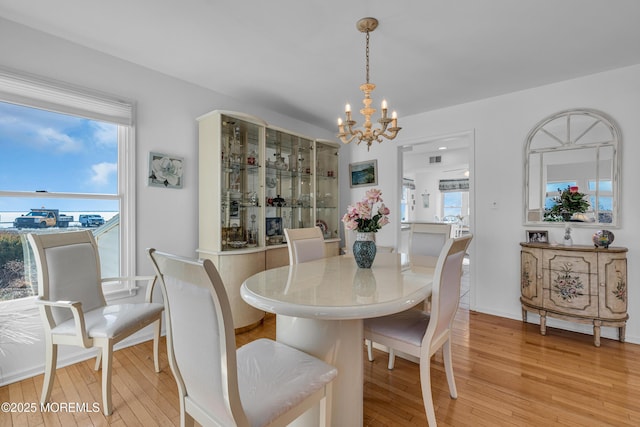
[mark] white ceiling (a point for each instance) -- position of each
(305, 59)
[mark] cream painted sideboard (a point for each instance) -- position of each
(575, 283)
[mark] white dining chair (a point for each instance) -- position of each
(421, 334)
(261, 383)
(426, 241)
(304, 244)
(456, 229)
(74, 310)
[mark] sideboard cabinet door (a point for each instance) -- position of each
(612, 269)
(570, 282)
(531, 275)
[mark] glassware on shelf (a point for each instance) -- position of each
(252, 198)
(252, 158)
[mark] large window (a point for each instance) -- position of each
(66, 155)
(452, 205)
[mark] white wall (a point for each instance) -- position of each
(500, 125)
(166, 122)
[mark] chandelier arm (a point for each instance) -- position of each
(350, 130)
(344, 139)
(390, 136)
(358, 133)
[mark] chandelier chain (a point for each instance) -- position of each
(367, 56)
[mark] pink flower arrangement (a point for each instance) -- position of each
(364, 217)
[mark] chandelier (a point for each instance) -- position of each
(368, 134)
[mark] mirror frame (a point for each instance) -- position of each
(614, 142)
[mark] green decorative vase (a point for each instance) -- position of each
(364, 249)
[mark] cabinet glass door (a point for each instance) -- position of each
(241, 192)
(288, 184)
(327, 215)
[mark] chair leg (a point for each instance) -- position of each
(369, 351)
(51, 360)
(186, 420)
(107, 359)
(426, 307)
(392, 358)
(98, 360)
(448, 367)
(325, 408)
(425, 383)
(156, 345)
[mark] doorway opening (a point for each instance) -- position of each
(437, 186)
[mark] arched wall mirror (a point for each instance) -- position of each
(573, 148)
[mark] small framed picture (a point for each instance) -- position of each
(537, 236)
(274, 226)
(165, 170)
(363, 174)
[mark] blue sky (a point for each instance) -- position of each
(41, 150)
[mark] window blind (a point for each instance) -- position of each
(28, 90)
(408, 183)
(454, 185)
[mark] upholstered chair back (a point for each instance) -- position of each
(305, 244)
(69, 270)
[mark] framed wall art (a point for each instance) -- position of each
(363, 174)
(165, 170)
(537, 236)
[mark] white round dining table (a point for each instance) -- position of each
(320, 306)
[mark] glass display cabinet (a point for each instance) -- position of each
(255, 180)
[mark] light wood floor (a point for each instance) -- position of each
(506, 372)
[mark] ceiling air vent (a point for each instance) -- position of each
(435, 159)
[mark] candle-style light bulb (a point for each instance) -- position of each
(384, 104)
(347, 108)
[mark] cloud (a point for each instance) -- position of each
(59, 141)
(105, 134)
(102, 172)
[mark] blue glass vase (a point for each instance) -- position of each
(364, 249)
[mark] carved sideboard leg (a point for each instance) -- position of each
(524, 315)
(596, 332)
(621, 332)
(543, 322)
